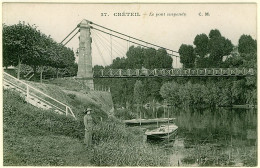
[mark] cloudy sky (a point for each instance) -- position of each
(161, 28)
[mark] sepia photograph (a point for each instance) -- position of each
(129, 84)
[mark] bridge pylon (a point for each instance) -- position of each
(85, 72)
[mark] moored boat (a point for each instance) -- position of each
(147, 121)
(163, 132)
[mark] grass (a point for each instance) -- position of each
(35, 137)
(68, 83)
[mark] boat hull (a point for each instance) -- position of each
(164, 132)
(162, 136)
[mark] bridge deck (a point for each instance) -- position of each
(198, 72)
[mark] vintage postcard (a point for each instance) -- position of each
(129, 84)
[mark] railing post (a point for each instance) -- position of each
(111, 74)
(244, 71)
(137, 72)
(102, 73)
(120, 72)
(171, 74)
(163, 70)
(27, 91)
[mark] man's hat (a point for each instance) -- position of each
(88, 109)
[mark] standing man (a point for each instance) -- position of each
(88, 122)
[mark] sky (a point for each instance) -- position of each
(166, 25)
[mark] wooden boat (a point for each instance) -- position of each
(162, 132)
(147, 121)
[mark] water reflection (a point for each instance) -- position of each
(211, 137)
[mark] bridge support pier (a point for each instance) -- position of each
(85, 72)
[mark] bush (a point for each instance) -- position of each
(119, 153)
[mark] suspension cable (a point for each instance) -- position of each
(120, 51)
(111, 54)
(119, 45)
(72, 37)
(106, 46)
(69, 34)
(125, 39)
(100, 52)
(131, 37)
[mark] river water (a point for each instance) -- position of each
(209, 137)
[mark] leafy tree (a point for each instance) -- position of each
(201, 43)
(214, 34)
(19, 44)
(187, 56)
(150, 58)
(138, 92)
(234, 60)
(247, 44)
(163, 59)
(23, 43)
(135, 57)
(119, 63)
(170, 92)
(219, 47)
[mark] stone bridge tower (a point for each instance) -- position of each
(85, 72)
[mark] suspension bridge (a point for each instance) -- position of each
(92, 32)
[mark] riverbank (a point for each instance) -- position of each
(35, 137)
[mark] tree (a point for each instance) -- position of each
(150, 58)
(187, 56)
(170, 92)
(23, 43)
(19, 44)
(218, 47)
(214, 34)
(201, 49)
(163, 60)
(135, 57)
(247, 44)
(201, 43)
(119, 63)
(138, 92)
(210, 51)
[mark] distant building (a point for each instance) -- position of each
(176, 62)
(234, 52)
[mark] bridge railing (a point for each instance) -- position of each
(174, 72)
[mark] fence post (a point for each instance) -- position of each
(137, 72)
(66, 110)
(27, 91)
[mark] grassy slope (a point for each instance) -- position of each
(40, 138)
(57, 87)
(78, 101)
(36, 137)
